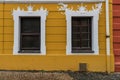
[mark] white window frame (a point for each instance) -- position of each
(42, 13)
(82, 12)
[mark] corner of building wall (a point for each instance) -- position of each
(110, 63)
(112, 68)
(109, 57)
(111, 38)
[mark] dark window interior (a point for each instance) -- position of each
(81, 35)
(30, 34)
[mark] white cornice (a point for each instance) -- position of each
(48, 1)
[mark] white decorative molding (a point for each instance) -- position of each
(49, 1)
(81, 9)
(82, 12)
(42, 13)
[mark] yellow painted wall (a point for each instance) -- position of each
(112, 65)
(55, 58)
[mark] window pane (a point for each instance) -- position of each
(30, 24)
(75, 37)
(84, 29)
(84, 21)
(81, 33)
(85, 43)
(80, 21)
(76, 29)
(30, 34)
(85, 36)
(76, 43)
(30, 42)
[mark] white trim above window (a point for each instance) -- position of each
(82, 12)
(42, 13)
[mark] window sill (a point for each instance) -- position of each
(29, 54)
(29, 51)
(82, 51)
(86, 54)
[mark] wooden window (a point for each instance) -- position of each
(81, 35)
(30, 35)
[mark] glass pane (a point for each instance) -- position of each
(76, 37)
(30, 24)
(30, 42)
(85, 36)
(75, 21)
(80, 21)
(74, 44)
(84, 29)
(85, 43)
(84, 21)
(81, 33)
(76, 29)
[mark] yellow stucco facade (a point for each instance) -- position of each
(55, 58)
